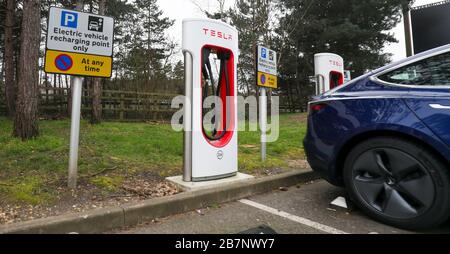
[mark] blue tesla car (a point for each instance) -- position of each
(385, 137)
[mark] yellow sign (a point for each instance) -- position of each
(59, 62)
(267, 80)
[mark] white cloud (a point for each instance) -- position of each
(182, 9)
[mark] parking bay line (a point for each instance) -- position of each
(301, 220)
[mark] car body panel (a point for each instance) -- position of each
(434, 112)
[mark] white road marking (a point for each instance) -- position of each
(301, 220)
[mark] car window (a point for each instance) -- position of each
(433, 71)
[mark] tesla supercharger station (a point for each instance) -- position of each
(329, 71)
(210, 51)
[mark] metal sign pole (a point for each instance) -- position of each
(263, 121)
(266, 78)
(75, 131)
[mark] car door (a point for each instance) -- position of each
(429, 94)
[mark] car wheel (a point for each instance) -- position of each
(398, 182)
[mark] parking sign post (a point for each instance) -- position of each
(266, 78)
(263, 121)
(78, 44)
(75, 131)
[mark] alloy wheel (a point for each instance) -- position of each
(393, 183)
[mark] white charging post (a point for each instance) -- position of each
(266, 62)
(210, 49)
(329, 71)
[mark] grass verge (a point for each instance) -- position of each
(32, 171)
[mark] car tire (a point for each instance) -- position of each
(398, 182)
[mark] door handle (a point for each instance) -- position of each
(439, 106)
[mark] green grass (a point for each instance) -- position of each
(29, 169)
(107, 183)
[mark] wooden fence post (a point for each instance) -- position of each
(122, 106)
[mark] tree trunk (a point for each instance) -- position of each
(10, 86)
(96, 116)
(26, 118)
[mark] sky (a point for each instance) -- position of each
(180, 9)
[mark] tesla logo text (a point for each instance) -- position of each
(217, 34)
(335, 63)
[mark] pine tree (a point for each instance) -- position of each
(152, 46)
(178, 71)
(251, 18)
(354, 29)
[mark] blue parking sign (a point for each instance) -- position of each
(263, 53)
(69, 19)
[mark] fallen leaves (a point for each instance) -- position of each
(299, 164)
(8, 214)
(150, 189)
(87, 197)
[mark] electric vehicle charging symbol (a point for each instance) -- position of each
(271, 56)
(95, 24)
(220, 155)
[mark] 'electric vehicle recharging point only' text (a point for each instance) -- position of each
(329, 71)
(210, 49)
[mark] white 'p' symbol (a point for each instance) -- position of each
(70, 18)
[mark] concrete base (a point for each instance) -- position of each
(192, 186)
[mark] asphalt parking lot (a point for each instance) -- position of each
(295, 210)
